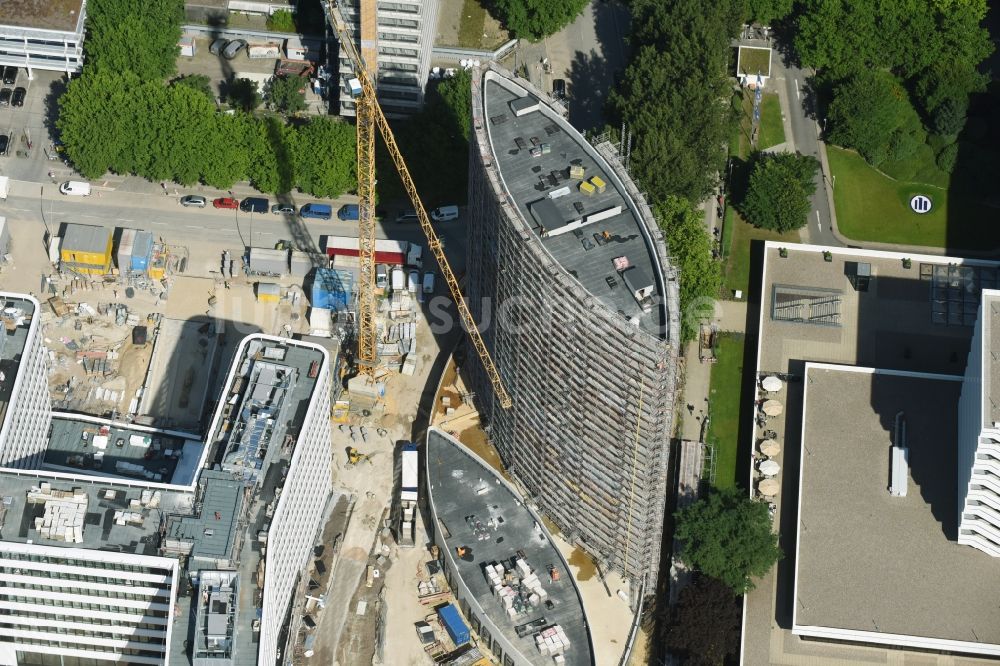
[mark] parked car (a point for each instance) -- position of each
(5, 95)
(444, 213)
(316, 211)
(194, 201)
(407, 216)
(218, 46)
(558, 88)
(254, 205)
(233, 48)
(10, 75)
(226, 202)
(17, 99)
(283, 209)
(75, 188)
(4, 144)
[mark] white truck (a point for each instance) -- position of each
(409, 493)
(4, 187)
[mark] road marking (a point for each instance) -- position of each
(162, 224)
(796, 88)
(191, 226)
(125, 219)
(26, 210)
(818, 224)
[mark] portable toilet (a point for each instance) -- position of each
(268, 292)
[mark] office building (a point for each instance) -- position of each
(570, 280)
(25, 407)
(43, 35)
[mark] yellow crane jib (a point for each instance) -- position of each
(369, 116)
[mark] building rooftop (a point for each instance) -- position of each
(869, 563)
(63, 15)
(86, 238)
(111, 517)
(97, 447)
(16, 314)
(536, 152)
(211, 532)
(478, 511)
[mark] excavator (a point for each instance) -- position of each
(354, 457)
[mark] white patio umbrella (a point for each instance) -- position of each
(770, 447)
(769, 468)
(771, 384)
(769, 487)
(772, 408)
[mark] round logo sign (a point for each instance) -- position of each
(920, 204)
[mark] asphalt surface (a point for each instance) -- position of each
(792, 82)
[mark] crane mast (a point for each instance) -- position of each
(369, 116)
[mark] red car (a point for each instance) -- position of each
(226, 202)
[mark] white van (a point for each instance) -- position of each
(444, 213)
(413, 284)
(398, 279)
(429, 282)
(381, 276)
(75, 188)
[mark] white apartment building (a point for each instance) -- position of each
(43, 35)
(25, 406)
(405, 31)
(979, 434)
(92, 605)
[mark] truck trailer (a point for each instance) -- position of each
(394, 253)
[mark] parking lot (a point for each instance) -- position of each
(26, 124)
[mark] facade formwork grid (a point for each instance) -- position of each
(588, 435)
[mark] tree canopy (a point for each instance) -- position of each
(137, 36)
(287, 94)
(728, 536)
(778, 192)
(671, 93)
(690, 249)
(767, 12)
(535, 19)
(871, 112)
(706, 622)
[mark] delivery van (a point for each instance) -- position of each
(316, 211)
(349, 213)
(75, 188)
(444, 213)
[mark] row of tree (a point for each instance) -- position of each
(535, 19)
(122, 115)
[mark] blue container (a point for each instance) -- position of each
(142, 250)
(453, 624)
(331, 289)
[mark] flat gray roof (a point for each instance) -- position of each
(991, 351)
(586, 252)
(130, 453)
(466, 495)
(16, 315)
(42, 14)
(86, 238)
(100, 531)
(213, 529)
(871, 562)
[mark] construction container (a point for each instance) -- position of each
(301, 264)
(268, 292)
(123, 256)
(598, 183)
(142, 250)
(586, 188)
(158, 262)
(265, 261)
(331, 289)
(454, 625)
(577, 172)
(264, 50)
(86, 249)
(302, 49)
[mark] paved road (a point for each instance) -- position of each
(790, 79)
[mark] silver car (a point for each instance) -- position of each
(194, 201)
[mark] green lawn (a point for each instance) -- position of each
(772, 131)
(873, 207)
(724, 401)
(754, 59)
(470, 29)
(736, 275)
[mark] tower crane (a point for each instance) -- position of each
(369, 117)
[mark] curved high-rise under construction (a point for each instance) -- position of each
(570, 278)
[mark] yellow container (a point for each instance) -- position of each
(268, 292)
(587, 188)
(598, 183)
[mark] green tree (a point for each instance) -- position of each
(137, 36)
(272, 150)
(326, 157)
(728, 536)
(198, 82)
(690, 249)
(225, 151)
(706, 622)
(94, 122)
(454, 98)
(243, 94)
(767, 12)
(281, 21)
(287, 94)
(535, 19)
(778, 191)
(871, 112)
